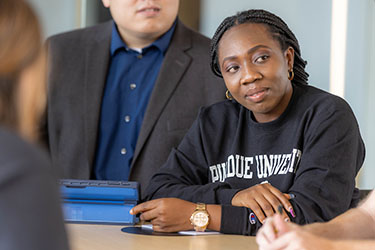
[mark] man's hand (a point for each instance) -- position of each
(263, 199)
(273, 228)
(276, 234)
(166, 214)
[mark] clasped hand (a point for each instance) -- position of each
(263, 200)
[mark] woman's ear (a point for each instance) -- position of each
(289, 57)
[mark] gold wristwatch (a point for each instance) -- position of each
(200, 218)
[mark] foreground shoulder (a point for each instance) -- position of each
(20, 158)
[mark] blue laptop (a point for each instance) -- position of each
(99, 202)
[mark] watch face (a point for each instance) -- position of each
(200, 219)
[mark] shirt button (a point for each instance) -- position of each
(132, 86)
(123, 151)
(139, 56)
(127, 118)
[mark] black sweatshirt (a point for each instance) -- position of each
(313, 150)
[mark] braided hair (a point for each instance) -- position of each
(279, 30)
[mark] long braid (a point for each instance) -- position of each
(277, 27)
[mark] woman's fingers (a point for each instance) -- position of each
(281, 199)
(145, 206)
(268, 204)
(257, 210)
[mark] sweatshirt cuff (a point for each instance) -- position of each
(225, 196)
(233, 220)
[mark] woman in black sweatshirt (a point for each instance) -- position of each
(276, 141)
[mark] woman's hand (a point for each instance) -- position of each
(166, 214)
(263, 200)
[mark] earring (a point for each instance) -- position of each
(290, 75)
(228, 95)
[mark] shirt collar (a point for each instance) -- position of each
(161, 43)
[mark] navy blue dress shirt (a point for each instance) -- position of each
(130, 80)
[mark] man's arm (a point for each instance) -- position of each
(351, 230)
(357, 223)
(303, 240)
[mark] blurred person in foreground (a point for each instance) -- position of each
(30, 212)
(353, 230)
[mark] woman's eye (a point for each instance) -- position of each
(261, 58)
(232, 69)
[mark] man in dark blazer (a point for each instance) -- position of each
(80, 71)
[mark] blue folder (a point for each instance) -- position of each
(102, 202)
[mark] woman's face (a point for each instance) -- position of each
(255, 70)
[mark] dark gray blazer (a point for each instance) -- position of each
(78, 67)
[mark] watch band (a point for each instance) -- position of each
(201, 207)
(200, 218)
